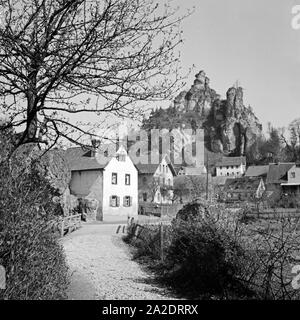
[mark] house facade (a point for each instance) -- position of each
(292, 185)
(231, 167)
(155, 182)
(113, 182)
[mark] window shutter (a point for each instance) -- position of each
(110, 201)
(118, 201)
(130, 201)
(124, 201)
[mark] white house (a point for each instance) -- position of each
(293, 180)
(154, 179)
(112, 181)
(231, 167)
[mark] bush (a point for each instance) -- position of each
(29, 248)
(204, 256)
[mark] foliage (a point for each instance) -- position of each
(29, 248)
(210, 253)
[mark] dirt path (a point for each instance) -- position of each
(102, 267)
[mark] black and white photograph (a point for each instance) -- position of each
(149, 151)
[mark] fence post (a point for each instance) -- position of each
(161, 229)
(62, 227)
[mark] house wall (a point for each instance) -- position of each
(232, 171)
(120, 189)
(163, 173)
(88, 184)
(294, 175)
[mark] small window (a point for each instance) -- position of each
(121, 157)
(293, 175)
(114, 178)
(227, 167)
(144, 180)
(169, 182)
(228, 173)
(145, 196)
(127, 179)
(114, 201)
(127, 202)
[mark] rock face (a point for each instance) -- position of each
(230, 127)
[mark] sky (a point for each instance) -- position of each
(250, 41)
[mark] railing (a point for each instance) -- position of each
(69, 224)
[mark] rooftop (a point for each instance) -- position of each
(242, 184)
(257, 171)
(231, 161)
(277, 173)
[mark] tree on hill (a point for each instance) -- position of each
(68, 57)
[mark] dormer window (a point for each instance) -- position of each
(121, 157)
(293, 175)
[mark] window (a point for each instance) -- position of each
(127, 179)
(145, 196)
(127, 201)
(220, 167)
(144, 180)
(114, 178)
(160, 167)
(114, 201)
(169, 182)
(228, 173)
(121, 157)
(293, 175)
(163, 168)
(227, 167)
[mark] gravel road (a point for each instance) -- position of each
(102, 267)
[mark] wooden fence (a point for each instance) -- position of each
(69, 224)
(159, 210)
(152, 235)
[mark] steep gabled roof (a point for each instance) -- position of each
(79, 159)
(242, 184)
(277, 172)
(151, 168)
(231, 161)
(257, 171)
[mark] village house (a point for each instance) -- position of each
(277, 175)
(292, 185)
(244, 188)
(111, 180)
(258, 171)
(231, 166)
(155, 181)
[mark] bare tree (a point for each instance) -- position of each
(60, 58)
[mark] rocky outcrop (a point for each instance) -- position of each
(230, 127)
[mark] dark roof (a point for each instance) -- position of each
(147, 168)
(242, 184)
(151, 168)
(231, 161)
(80, 159)
(277, 172)
(257, 171)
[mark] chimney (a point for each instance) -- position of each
(95, 145)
